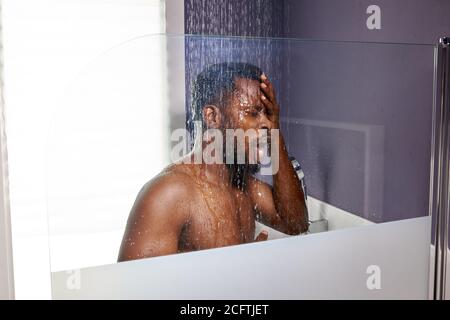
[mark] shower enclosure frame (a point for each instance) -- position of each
(439, 208)
(439, 180)
(440, 171)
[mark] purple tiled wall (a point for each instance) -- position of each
(358, 116)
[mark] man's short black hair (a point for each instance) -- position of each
(214, 84)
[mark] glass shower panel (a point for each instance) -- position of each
(357, 117)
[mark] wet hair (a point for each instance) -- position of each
(214, 84)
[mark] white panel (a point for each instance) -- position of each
(329, 265)
(175, 63)
(80, 250)
(175, 17)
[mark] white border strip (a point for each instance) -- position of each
(6, 259)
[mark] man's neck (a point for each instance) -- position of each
(232, 175)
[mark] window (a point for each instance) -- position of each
(54, 49)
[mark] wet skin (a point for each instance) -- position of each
(191, 207)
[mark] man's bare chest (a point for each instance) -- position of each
(220, 217)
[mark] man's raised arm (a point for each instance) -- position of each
(283, 206)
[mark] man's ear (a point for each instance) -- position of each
(212, 116)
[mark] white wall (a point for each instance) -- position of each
(6, 266)
(53, 52)
(176, 63)
(175, 17)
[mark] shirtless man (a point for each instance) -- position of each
(191, 207)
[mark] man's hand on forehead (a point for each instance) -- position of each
(268, 98)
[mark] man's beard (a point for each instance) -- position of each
(239, 173)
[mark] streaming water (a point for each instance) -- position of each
(253, 26)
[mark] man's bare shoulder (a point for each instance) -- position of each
(171, 189)
(161, 210)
